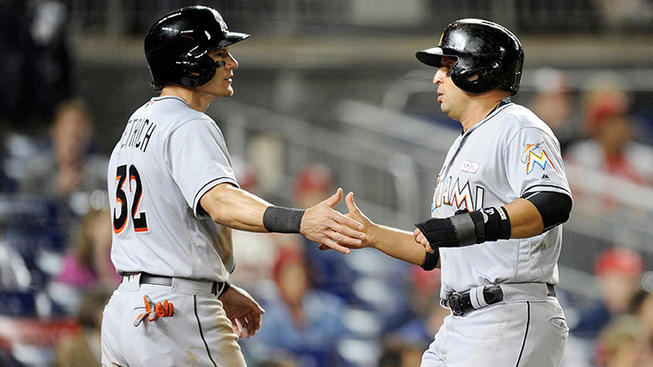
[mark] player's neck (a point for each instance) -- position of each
(479, 107)
(196, 101)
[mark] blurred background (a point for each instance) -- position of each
(328, 94)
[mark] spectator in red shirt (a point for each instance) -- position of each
(611, 148)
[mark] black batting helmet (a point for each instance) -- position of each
(177, 46)
(483, 49)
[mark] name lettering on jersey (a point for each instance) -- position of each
(470, 167)
(448, 193)
(138, 133)
(530, 158)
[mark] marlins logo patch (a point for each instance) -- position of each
(535, 154)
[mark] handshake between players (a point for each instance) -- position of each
(403, 245)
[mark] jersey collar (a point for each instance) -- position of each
(504, 102)
(157, 99)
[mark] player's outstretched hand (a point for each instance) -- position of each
(331, 229)
(421, 239)
(242, 310)
(356, 214)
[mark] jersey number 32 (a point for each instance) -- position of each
(138, 218)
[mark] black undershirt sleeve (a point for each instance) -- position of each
(554, 207)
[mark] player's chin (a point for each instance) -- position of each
(228, 92)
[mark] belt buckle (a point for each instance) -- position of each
(454, 304)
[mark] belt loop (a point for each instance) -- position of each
(134, 278)
(550, 290)
(221, 288)
(131, 281)
(477, 297)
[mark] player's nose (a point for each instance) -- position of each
(232, 63)
(439, 76)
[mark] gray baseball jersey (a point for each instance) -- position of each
(168, 157)
(509, 154)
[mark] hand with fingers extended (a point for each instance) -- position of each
(392, 241)
(242, 310)
(356, 214)
(331, 229)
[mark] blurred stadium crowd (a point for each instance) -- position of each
(322, 308)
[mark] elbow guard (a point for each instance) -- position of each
(554, 207)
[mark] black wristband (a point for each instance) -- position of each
(282, 220)
(496, 224)
(431, 260)
(489, 224)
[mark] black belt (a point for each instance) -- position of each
(146, 278)
(460, 303)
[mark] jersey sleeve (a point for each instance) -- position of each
(198, 159)
(534, 163)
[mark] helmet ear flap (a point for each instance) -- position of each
(197, 70)
(476, 80)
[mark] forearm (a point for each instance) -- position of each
(525, 219)
(235, 208)
(396, 243)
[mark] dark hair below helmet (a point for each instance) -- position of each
(489, 56)
(177, 46)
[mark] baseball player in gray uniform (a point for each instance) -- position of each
(499, 200)
(174, 195)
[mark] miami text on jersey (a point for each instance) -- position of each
(138, 133)
(448, 193)
(530, 158)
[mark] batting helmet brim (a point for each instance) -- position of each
(232, 37)
(430, 56)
